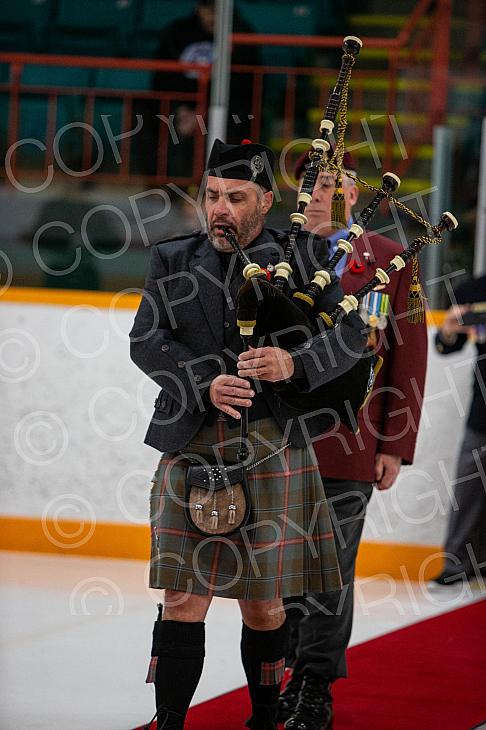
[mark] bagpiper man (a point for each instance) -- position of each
(186, 339)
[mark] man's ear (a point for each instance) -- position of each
(267, 201)
(353, 194)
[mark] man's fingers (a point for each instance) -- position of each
(230, 411)
(232, 401)
(379, 469)
(248, 368)
(228, 390)
(248, 364)
(257, 373)
(245, 368)
(228, 396)
(238, 392)
(385, 483)
(253, 352)
(235, 381)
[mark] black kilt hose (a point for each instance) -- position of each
(286, 549)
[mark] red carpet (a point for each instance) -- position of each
(429, 676)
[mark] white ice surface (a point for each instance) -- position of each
(76, 633)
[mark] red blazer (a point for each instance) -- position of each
(389, 421)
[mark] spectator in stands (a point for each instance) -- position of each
(467, 519)
(191, 39)
(350, 464)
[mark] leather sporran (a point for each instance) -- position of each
(217, 499)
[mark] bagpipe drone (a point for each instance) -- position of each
(263, 305)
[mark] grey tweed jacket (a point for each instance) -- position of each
(177, 337)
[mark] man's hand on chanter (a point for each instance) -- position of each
(226, 391)
(266, 363)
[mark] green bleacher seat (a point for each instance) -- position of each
(22, 23)
(17, 38)
(33, 125)
(33, 107)
(269, 16)
(144, 44)
(26, 11)
(96, 13)
(84, 41)
(155, 15)
(287, 18)
(108, 78)
(77, 19)
(40, 75)
(112, 107)
(327, 15)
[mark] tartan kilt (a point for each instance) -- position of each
(286, 549)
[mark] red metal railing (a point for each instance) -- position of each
(400, 52)
(16, 89)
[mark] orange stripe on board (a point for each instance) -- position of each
(399, 561)
(72, 297)
(115, 300)
(71, 537)
(110, 540)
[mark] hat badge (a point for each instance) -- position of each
(257, 165)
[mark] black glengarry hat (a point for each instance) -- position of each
(245, 161)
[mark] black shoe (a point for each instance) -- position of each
(288, 698)
(314, 706)
(262, 718)
(169, 720)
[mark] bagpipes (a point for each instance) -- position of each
(263, 305)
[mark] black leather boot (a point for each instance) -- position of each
(314, 706)
(288, 698)
(262, 718)
(169, 720)
(166, 720)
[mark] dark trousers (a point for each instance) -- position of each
(320, 623)
(467, 518)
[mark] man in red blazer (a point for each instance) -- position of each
(351, 465)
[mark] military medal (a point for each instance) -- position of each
(374, 309)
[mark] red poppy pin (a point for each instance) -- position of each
(356, 268)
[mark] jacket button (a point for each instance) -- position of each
(197, 378)
(165, 348)
(306, 345)
(181, 364)
(227, 324)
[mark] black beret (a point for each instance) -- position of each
(245, 161)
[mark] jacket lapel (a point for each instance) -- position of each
(206, 267)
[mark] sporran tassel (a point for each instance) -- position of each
(198, 508)
(214, 519)
(338, 207)
(232, 514)
(416, 299)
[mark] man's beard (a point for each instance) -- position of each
(248, 230)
